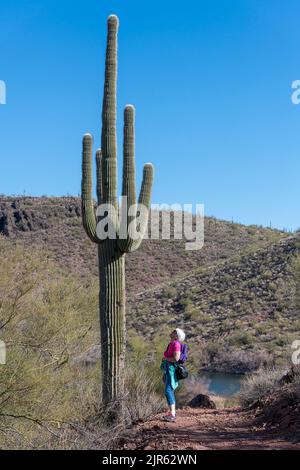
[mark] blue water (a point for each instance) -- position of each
(221, 384)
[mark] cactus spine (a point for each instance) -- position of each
(111, 251)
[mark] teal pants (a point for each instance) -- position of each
(169, 392)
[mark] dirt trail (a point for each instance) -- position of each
(201, 429)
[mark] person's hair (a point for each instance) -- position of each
(180, 334)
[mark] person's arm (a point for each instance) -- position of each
(175, 358)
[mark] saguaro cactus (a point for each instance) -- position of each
(111, 251)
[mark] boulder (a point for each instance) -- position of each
(202, 401)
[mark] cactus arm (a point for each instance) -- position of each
(108, 136)
(99, 175)
(144, 204)
(146, 188)
(87, 204)
(128, 186)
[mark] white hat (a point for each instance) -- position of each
(180, 334)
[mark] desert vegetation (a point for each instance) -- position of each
(44, 325)
(50, 386)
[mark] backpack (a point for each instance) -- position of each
(181, 371)
(183, 353)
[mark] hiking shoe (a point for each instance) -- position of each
(170, 418)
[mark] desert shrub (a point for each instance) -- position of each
(203, 317)
(212, 349)
(226, 325)
(295, 326)
(240, 339)
(138, 348)
(147, 355)
(267, 274)
(261, 328)
(46, 318)
(185, 301)
(192, 313)
(169, 292)
(142, 399)
(281, 340)
(144, 388)
(279, 407)
(272, 286)
(259, 384)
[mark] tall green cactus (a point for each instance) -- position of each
(111, 251)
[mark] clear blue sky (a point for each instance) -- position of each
(211, 82)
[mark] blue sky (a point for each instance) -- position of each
(211, 82)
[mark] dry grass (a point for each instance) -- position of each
(142, 399)
(259, 385)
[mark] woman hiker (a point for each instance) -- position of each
(171, 356)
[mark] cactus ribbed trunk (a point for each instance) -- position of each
(112, 321)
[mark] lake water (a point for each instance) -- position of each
(221, 384)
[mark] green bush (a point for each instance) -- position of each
(240, 339)
(169, 293)
(192, 313)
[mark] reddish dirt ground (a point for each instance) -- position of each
(201, 429)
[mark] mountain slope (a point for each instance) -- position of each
(234, 297)
(55, 225)
(245, 303)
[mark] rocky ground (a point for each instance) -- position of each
(201, 429)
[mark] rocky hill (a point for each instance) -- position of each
(234, 297)
(55, 225)
(244, 303)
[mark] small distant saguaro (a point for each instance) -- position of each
(111, 251)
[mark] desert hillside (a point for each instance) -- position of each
(55, 224)
(240, 311)
(234, 297)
